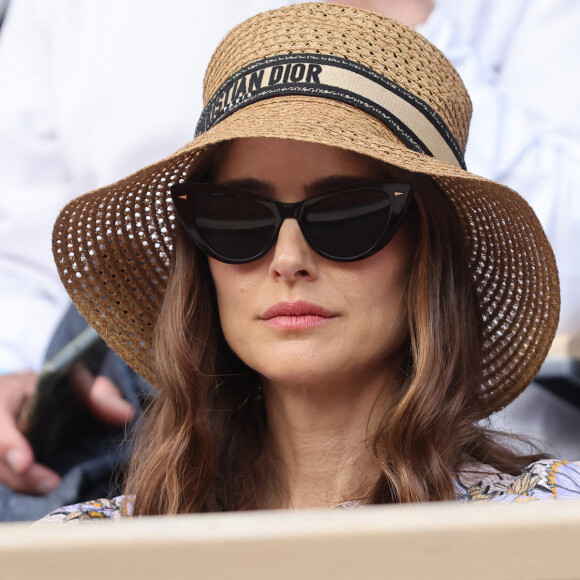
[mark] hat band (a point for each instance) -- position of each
(330, 77)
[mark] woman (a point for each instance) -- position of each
(328, 302)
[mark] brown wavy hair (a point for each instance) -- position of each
(202, 445)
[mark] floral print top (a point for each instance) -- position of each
(543, 480)
(546, 479)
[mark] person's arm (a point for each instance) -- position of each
(34, 187)
(35, 183)
(409, 12)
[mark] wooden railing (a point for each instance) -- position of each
(539, 540)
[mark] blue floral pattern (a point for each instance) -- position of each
(542, 480)
(100, 509)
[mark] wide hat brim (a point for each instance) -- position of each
(113, 245)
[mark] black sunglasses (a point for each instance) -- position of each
(237, 227)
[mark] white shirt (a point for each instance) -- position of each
(519, 62)
(92, 91)
(89, 92)
(518, 59)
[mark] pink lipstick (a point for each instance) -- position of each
(296, 315)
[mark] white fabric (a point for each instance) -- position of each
(518, 60)
(90, 91)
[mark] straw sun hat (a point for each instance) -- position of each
(342, 77)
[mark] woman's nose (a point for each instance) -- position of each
(293, 258)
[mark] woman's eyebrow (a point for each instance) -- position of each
(250, 185)
(330, 183)
(339, 181)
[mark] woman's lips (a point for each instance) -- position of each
(296, 315)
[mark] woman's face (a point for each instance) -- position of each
(294, 316)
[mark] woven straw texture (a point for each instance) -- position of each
(113, 245)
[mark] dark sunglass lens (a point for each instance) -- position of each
(234, 227)
(349, 224)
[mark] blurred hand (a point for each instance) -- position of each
(18, 469)
(101, 397)
(409, 12)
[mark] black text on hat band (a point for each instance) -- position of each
(409, 117)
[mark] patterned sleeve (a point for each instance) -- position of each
(100, 509)
(543, 480)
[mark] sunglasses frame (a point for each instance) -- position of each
(399, 193)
